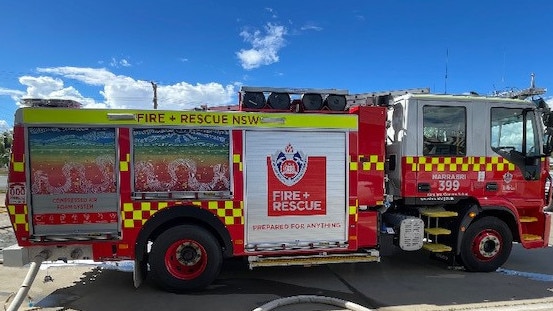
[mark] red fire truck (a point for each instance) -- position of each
(295, 177)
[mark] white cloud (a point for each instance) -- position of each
(272, 12)
(125, 63)
(49, 87)
(14, 94)
(120, 91)
(92, 76)
(119, 62)
(4, 126)
(311, 26)
(265, 47)
(186, 96)
(549, 102)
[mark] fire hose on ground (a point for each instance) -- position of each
(348, 305)
(28, 281)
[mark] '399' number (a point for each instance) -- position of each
(449, 185)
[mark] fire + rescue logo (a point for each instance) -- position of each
(507, 177)
(289, 165)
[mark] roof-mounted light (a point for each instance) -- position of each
(279, 101)
(253, 100)
(312, 101)
(335, 102)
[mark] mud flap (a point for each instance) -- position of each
(138, 274)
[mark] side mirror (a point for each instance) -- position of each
(548, 141)
(548, 119)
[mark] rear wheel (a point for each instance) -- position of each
(486, 245)
(185, 258)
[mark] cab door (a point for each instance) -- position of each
(516, 165)
(444, 151)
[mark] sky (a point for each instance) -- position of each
(107, 54)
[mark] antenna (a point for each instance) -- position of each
(504, 64)
(446, 61)
(154, 86)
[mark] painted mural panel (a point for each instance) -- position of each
(73, 181)
(181, 160)
(72, 160)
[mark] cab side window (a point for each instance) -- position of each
(514, 130)
(444, 131)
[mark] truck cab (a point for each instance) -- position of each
(472, 157)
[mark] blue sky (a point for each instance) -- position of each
(106, 53)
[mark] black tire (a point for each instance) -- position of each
(486, 245)
(184, 258)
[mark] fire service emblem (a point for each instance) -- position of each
(289, 165)
(507, 177)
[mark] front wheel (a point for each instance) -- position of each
(486, 245)
(185, 258)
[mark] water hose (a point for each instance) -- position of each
(348, 305)
(28, 281)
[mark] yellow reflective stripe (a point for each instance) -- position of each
(187, 118)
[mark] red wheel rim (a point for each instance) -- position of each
(487, 244)
(186, 259)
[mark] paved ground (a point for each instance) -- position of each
(91, 288)
(401, 283)
(7, 237)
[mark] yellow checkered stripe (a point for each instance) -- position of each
(19, 216)
(134, 215)
(352, 209)
(124, 165)
(458, 164)
(231, 212)
(236, 159)
(367, 163)
(17, 166)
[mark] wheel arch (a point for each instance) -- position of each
(177, 215)
(502, 213)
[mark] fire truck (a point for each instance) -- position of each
(291, 177)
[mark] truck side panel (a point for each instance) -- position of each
(370, 164)
(296, 188)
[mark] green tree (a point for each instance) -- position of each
(5, 148)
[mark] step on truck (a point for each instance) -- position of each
(292, 177)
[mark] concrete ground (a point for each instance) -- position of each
(92, 287)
